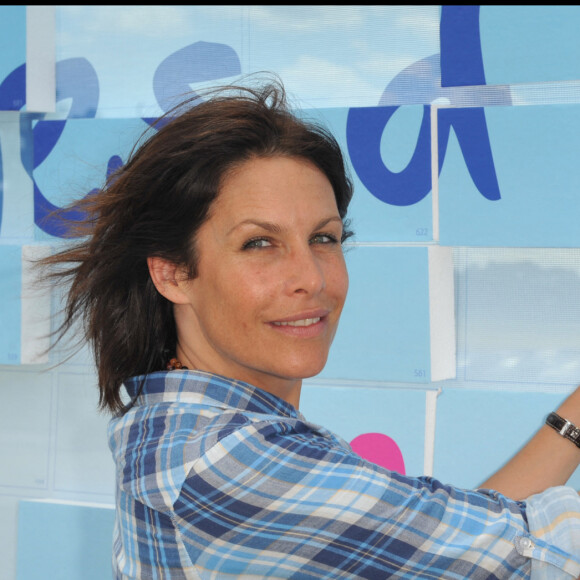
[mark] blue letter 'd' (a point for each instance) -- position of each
(461, 65)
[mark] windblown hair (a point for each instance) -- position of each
(154, 206)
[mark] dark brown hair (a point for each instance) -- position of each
(155, 204)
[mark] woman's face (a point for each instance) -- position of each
(271, 280)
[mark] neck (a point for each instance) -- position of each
(291, 395)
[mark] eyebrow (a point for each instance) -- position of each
(276, 229)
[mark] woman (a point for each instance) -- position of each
(211, 284)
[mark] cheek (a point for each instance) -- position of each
(345, 279)
(339, 279)
(250, 293)
(261, 283)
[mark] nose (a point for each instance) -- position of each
(305, 273)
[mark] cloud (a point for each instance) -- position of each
(111, 20)
(329, 55)
(424, 22)
(317, 19)
(320, 82)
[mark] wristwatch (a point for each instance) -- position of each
(564, 427)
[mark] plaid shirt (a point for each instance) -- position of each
(219, 479)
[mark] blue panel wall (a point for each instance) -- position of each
(11, 290)
(525, 44)
(459, 126)
(534, 161)
(12, 57)
(388, 153)
(365, 348)
(64, 541)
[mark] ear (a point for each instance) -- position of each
(168, 278)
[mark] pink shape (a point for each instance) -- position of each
(380, 449)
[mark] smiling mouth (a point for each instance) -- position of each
(304, 322)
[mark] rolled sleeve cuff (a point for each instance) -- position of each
(554, 541)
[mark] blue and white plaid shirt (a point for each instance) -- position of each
(219, 479)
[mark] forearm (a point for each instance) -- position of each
(545, 461)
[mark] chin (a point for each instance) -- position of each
(305, 371)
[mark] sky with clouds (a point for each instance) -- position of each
(328, 56)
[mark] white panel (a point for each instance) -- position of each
(430, 427)
(24, 430)
(41, 58)
(442, 313)
(83, 461)
(16, 193)
(35, 304)
(9, 511)
(435, 172)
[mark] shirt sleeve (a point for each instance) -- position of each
(554, 521)
(278, 500)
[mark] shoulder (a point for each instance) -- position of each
(154, 447)
(157, 447)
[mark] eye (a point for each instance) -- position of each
(257, 243)
(323, 238)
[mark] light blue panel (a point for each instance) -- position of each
(372, 219)
(10, 305)
(478, 431)
(64, 542)
(535, 152)
(527, 44)
(336, 55)
(384, 330)
(352, 411)
(79, 159)
(521, 316)
(179, 48)
(83, 462)
(25, 430)
(12, 53)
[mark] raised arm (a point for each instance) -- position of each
(547, 460)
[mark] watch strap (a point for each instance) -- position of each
(564, 427)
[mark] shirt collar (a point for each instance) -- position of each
(206, 388)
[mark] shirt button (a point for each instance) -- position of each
(526, 543)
